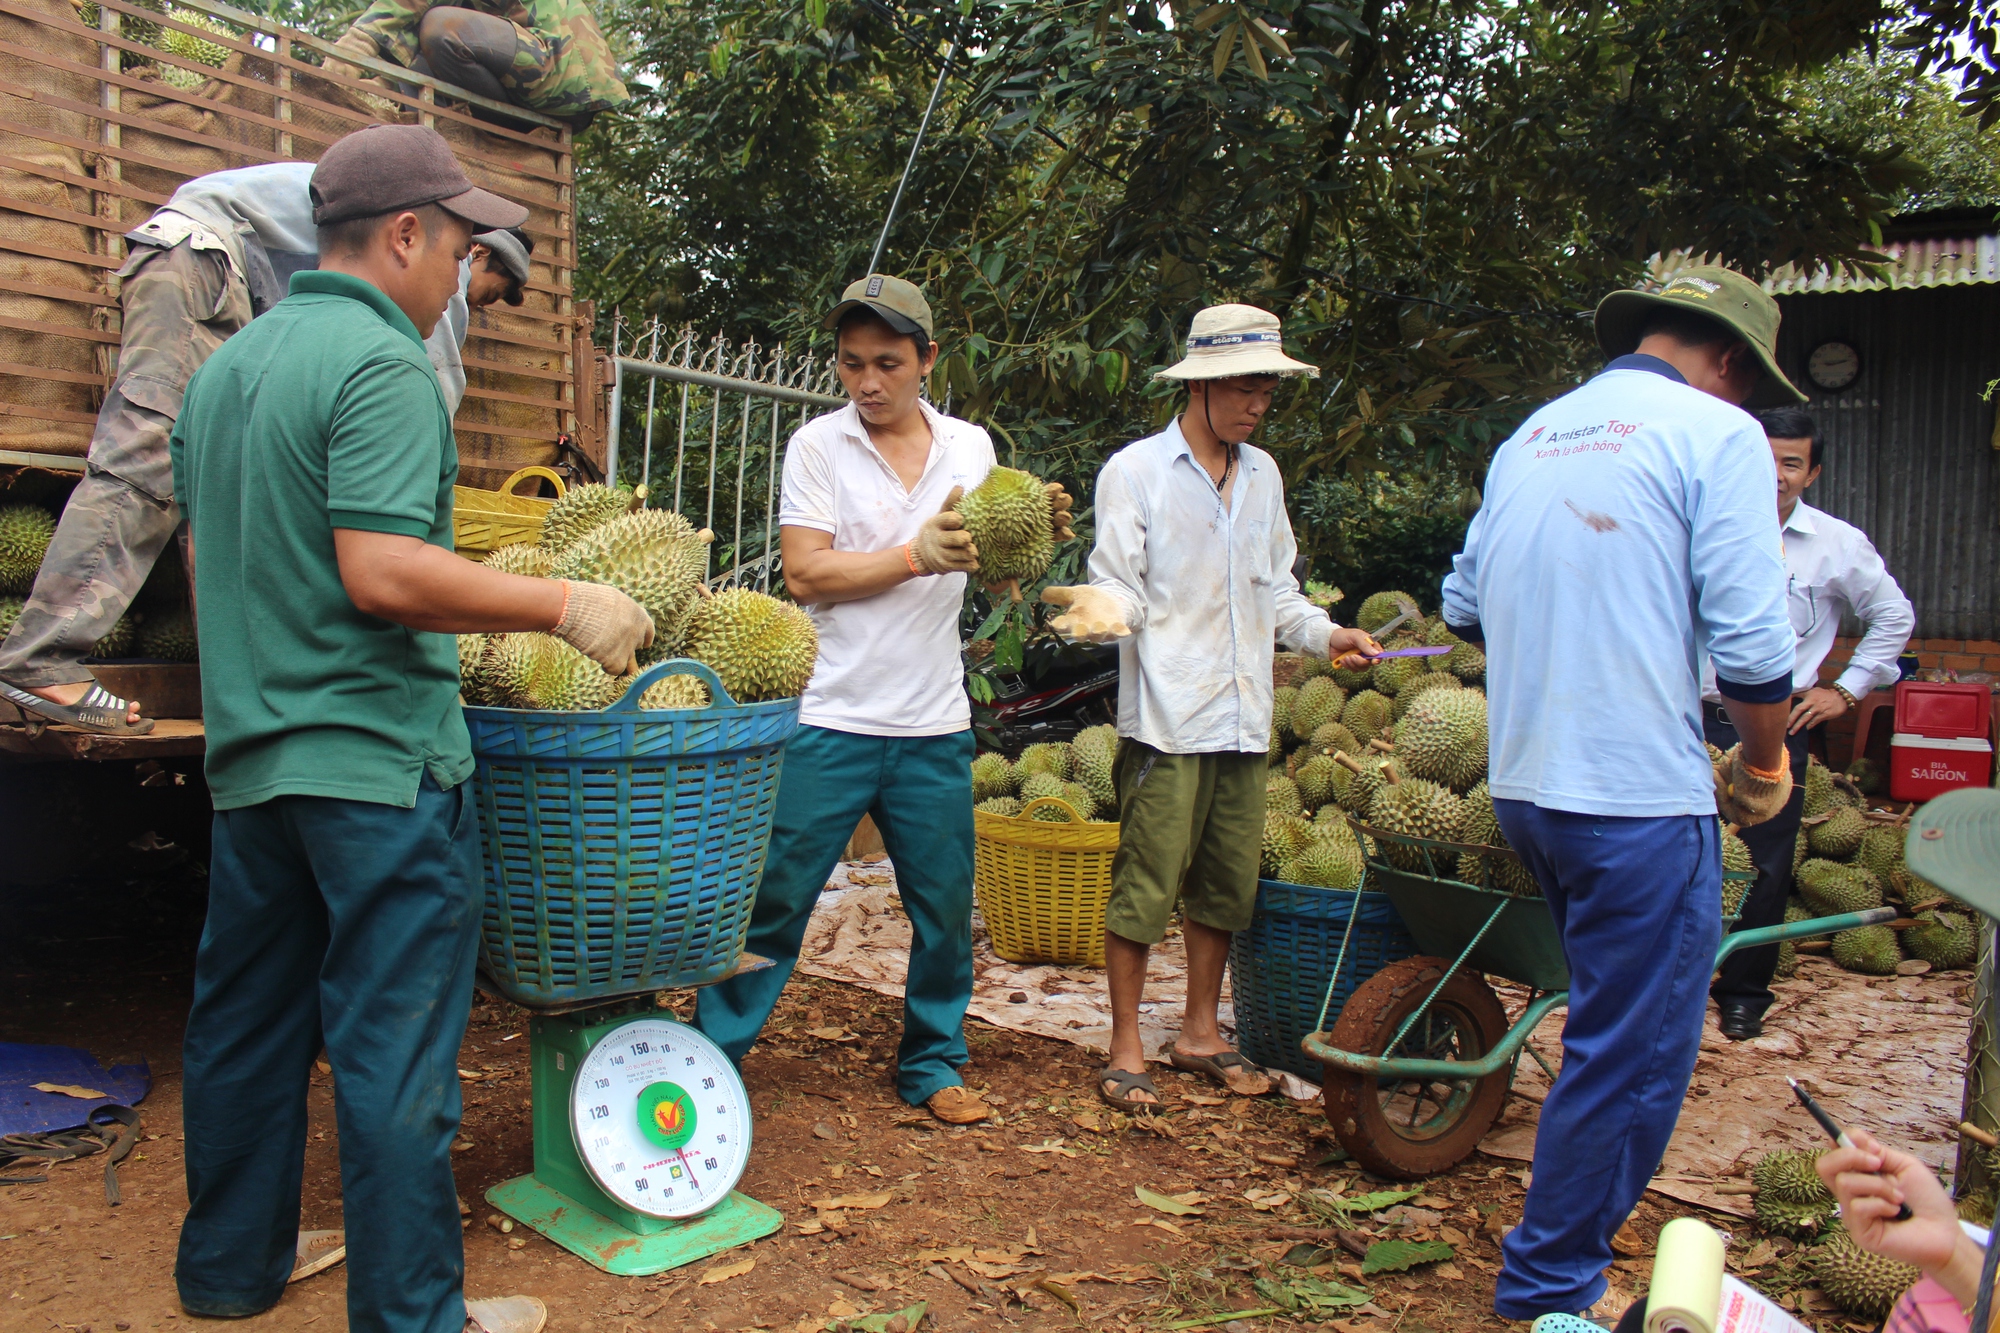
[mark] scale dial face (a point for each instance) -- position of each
(661, 1118)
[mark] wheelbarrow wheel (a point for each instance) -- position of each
(1408, 1128)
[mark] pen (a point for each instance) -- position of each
(1834, 1131)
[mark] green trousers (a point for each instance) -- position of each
(919, 791)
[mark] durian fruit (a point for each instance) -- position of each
(25, 533)
(1380, 609)
(1080, 796)
(1819, 788)
(1481, 826)
(521, 558)
(1282, 700)
(1839, 837)
(1977, 1209)
(1881, 852)
(657, 559)
(1736, 859)
(10, 611)
(1788, 956)
(1366, 714)
(1392, 674)
(1834, 888)
(1000, 805)
(1443, 738)
(761, 647)
(1281, 795)
(1944, 939)
(1351, 680)
(471, 686)
(190, 47)
(1866, 775)
(1861, 1282)
(1356, 793)
(1869, 949)
(1467, 661)
(1035, 786)
(1310, 666)
(169, 634)
(1094, 757)
(993, 776)
(1786, 1175)
(1329, 860)
(1414, 690)
(1284, 837)
(1419, 809)
(581, 509)
(1275, 754)
(1314, 780)
(118, 641)
(677, 691)
(1319, 703)
(1800, 1221)
(1054, 758)
(1332, 736)
(1008, 517)
(540, 671)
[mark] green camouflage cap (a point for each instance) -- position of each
(1954, 843)
(1722, 294)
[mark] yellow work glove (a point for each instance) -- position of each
(1743, 797)
(942, 545)
(1059, 512)
(1091, 615)
(604, 625)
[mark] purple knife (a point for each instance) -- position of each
(1414, 652)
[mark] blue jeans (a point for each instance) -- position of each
(354, 925)
(1639, 904)
(919, 791)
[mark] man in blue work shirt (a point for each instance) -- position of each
(1627, 530)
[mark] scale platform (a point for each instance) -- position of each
(642, 1129)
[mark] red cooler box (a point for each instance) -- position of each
(1942, 739)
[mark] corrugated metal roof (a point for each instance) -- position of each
(1925, 262)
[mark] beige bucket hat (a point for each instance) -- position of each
(1227, 340)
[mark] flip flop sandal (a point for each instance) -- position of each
(318, 1251)
(1215, 1067)
(98, 710)
(1126, 1082)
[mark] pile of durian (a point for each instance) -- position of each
(761, 647)
(1846, 862)
(1077, 771)
(1794, 1203)
(157, 624)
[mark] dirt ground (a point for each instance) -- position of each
(1002, 1226)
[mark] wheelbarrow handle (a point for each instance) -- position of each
(1801, 930)
(1319, 1047)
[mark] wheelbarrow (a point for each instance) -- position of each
(1419, 1063)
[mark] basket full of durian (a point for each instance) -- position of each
(1045, 828)
(623, 821)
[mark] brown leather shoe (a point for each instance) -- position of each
(957, 1106)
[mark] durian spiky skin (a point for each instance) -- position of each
(1333, 736)
(1788, 956)
(1054, 758)
(1819, 788)
(1351, 681)
(658, 560)
(580, 509)
(1415, 689)
(1944, 940)
(761, 647)
(540, 672)
(1314, 780)
(1392, 674)
(471, 649)
(1008, 517)
(1081, 797)
(118, 641)
(1800, 1221)
(1881, 852)
(25, 533)
(10, 611)
(1467, 661)
(1443, 738)
(1868, 949)
(1282, 700)
(1284, 837)
(1481, 826)
(170, 634)
(1281, 794)
(1000, 805)
(1094, 754)
(1326, 862)
(1840, 836)
(993, 776)
(1787, 1176)
(1834, 888)
(1860, 1281)
(677, 692)
(1379, 610)
(520, 558)
(1357, 791)
(1366, 714)
(1866, 775)
(1418, 809)
(1319, 702)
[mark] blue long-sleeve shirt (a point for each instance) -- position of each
(1628, 528)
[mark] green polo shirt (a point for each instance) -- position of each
(322, 413)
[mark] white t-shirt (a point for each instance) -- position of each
(888, 664)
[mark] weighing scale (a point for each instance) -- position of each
(642, 1129)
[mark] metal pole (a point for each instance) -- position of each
(612, 418)
(937, 90)
(646, 466)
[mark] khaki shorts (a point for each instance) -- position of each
(1190, 827)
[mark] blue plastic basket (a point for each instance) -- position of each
(1279, 967)
(623, 848)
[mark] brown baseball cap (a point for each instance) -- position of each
(1723, 295)
(385, 168)
(899, 302)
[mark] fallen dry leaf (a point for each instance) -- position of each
(1454, 1235)
(1279, 1159)
(1452, 1272)
(70, 1090)
(825, 1131)
(858, 1281)
(842, 1308)
(1050, 1145)
(1200, 1099)
(863, 1201)
(990, 1270)
(1159, 1222)
(724, 1272)
(832, 1034)
(1628, 1242)
(953, 1254)
(1162, 1203)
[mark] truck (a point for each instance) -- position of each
(107, 107)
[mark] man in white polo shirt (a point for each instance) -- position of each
(874, 552)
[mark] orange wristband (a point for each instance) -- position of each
(910, 559)
(1759, 773)
(565, 606)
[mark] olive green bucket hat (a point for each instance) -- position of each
(1722, 294)
(1954, 843)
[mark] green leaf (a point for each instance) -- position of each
(1277, 1293)
(1370, 1203)
(1007, 646)
(1162, 1204)
(816, 13)
(979, 687)
(1224, 45)
(1211, 16)
(1263, 33)
(1394, 1256)
(879, 1323)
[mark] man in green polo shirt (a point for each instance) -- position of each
(314, 459)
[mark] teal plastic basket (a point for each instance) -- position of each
(623, 847)
(1280, 966)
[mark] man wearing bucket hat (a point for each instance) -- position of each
(877, 555)
(1174, 511)
(1628, 529)
(314, 459)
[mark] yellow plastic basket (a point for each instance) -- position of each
(483, 520)
(1041, 885)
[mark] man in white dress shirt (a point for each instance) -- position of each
(1834, 571)
(1192, 575)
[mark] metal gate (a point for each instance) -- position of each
(711, 446)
